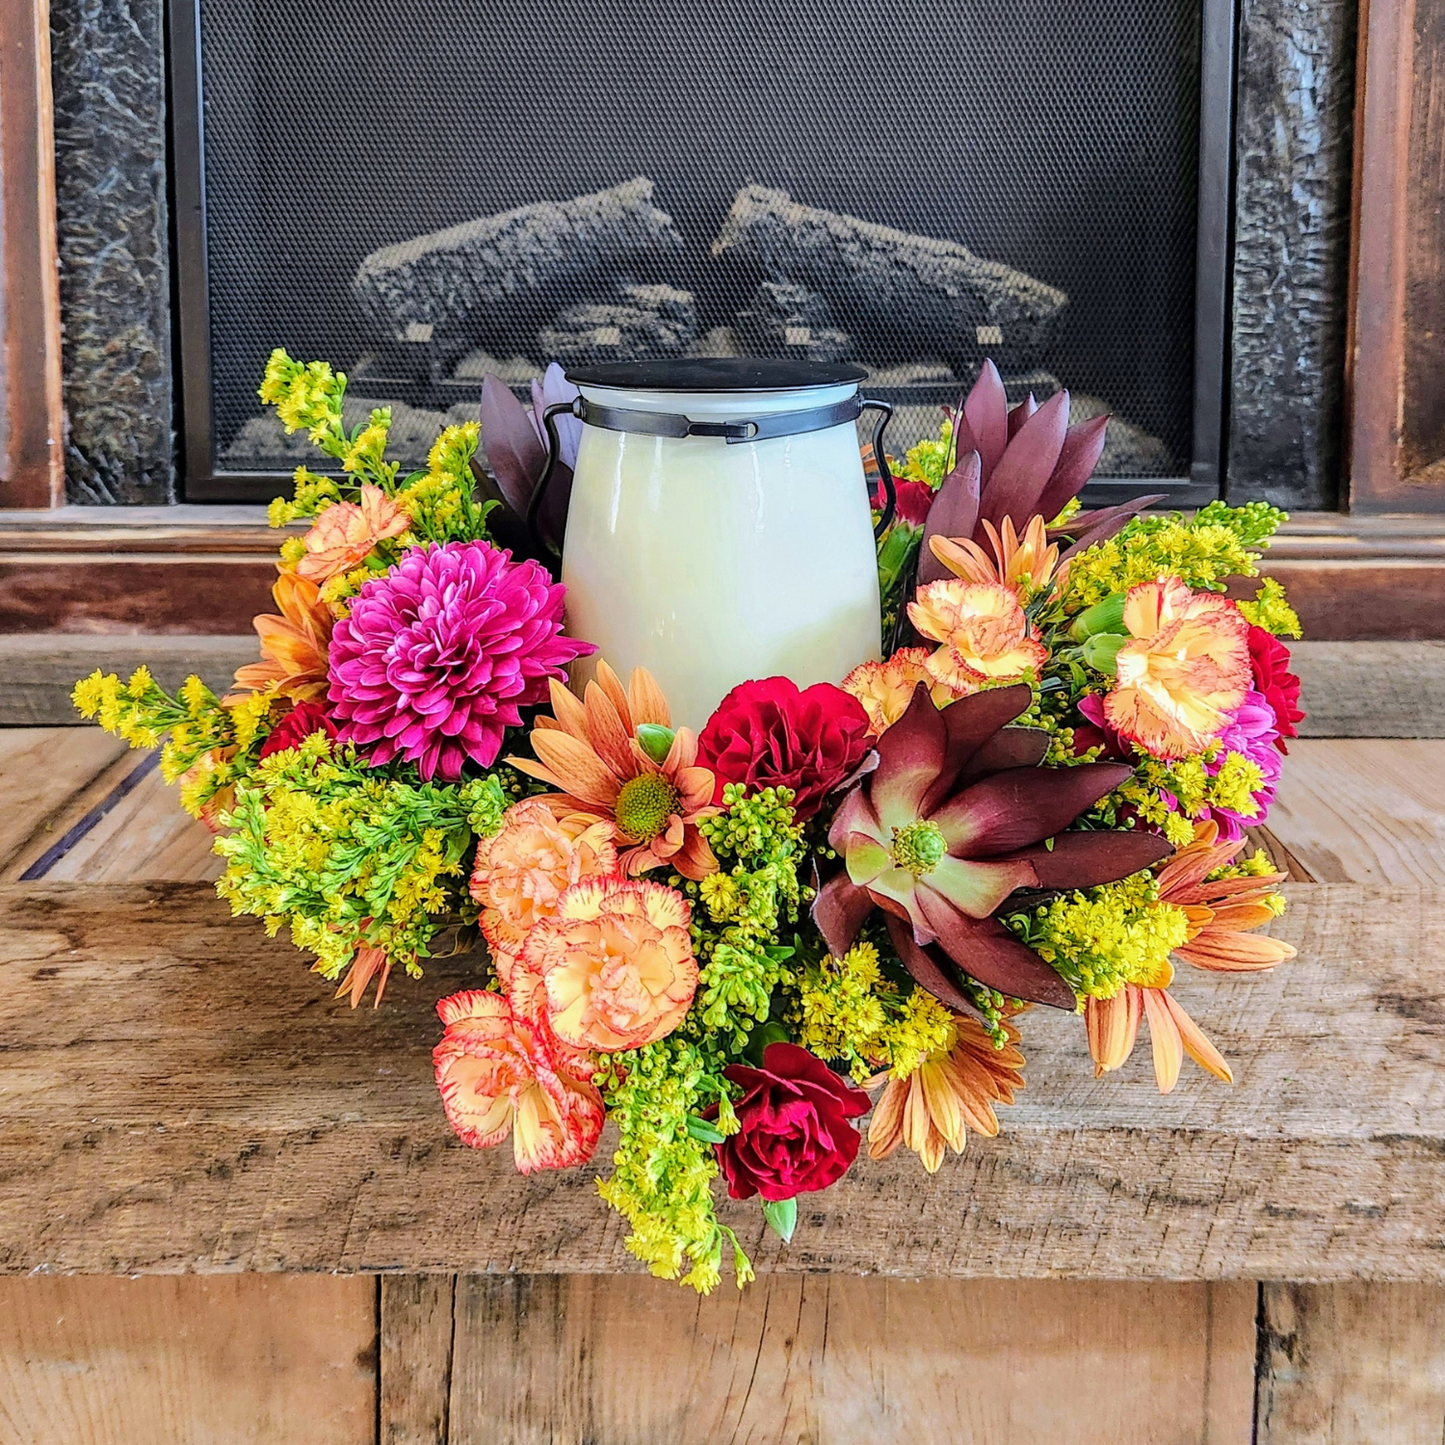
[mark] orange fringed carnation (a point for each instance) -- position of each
(499, 1071)
(1015, 560)
(984, 634)
(590, 751)
(886, 688)
(1113, 1027)
(1222, 914)
(616, 961)
(947, 1095)
(525, 868)
(1186, 670)
(345, 534)
(293, 645)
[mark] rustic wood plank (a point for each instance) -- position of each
(835, 1361)
(41, 668)
(1364, 812)
(417, 1328)
(144, 836)
(49, 777)
(231, 1360)
(1371, 689)
(1352, 1364)
(178, 1094)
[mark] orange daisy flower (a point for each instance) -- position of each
(947, 1095)
(293, 645)
(1113, 1027)
(591, 751)
(1032, 558)
(1222, 914)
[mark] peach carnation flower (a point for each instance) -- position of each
(590, 749)
(886, 688)
(294, 646)
(1185, 671)
(499, 1071)
(617, 963)
(984, 634)
(523, 869)
(345, 534)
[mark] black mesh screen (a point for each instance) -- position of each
(1036, 163)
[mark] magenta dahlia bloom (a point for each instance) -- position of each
(439, 656)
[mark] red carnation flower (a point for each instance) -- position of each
(769, 735)
(793, 1131)
(913, 501)
(1269, 658)
(298, 725)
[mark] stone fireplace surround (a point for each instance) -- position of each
(1295, 94)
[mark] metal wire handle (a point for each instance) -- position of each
(574, 408)
(890, 492)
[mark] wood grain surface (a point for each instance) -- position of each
(230, 1360)
(178, 1094)
(838, 1361)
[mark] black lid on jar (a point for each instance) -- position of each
(721, 373)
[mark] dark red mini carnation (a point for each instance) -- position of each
(914, 500)
(298, 725)
(793, 1136)
(768, 734)
(1270, 659)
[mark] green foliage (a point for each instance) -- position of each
(663, 1171)
(350, 855)
(1205, 550)
(739, 911)
(1099, 939)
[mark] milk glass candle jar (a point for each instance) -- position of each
(719, 527)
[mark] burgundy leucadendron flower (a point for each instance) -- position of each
(768, 734)
(439, 656)
(298, 725)
(793, 1132)
(959, 815)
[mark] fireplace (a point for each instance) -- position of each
(423, 196)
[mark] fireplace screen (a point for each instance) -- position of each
(424, 194)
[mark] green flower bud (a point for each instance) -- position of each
(1105, 616)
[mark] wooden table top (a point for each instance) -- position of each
(178, 1093)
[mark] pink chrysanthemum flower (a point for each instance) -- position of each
(439, 656)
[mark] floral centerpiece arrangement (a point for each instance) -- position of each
(832, 900)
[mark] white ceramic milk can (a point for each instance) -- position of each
(719, 527)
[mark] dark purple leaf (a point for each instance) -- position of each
(1079, 455)
(985, 950)
(1008, 748)
(985, 409)
(910, 755)
(514, 454)
(954, 513)
(1018, 481)
(839, 911)
(1087, 528)
(1085, 860)
(1020, 414)
(930, 969)
(1023, 806)
(970, 723)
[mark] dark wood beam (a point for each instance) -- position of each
(31, 413)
